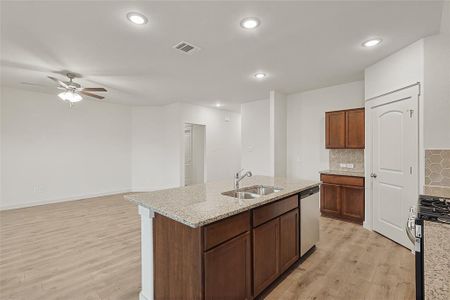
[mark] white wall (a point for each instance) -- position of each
(437, 91)
(256, 137)
(51, 152)
(157, 143)
(278, 132)
(152, 166)
(306, 153)
(223, 140)
(399, 70)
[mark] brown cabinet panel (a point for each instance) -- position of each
(267, 212)
(265, 255)
(228, 270)
(352, 203)
(226, 229)
(289, 235)
(178, 260)
(330, 199)
(342, 180)
(354, 121)
(335, 129)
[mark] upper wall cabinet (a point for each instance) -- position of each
(344, 129)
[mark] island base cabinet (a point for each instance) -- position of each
(228, 270)
(289, 235)
(275, 249)
(265, 255)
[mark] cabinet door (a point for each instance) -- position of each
(354, 137)
(330, 199)
(352, 203)
(335, 129)
(289, 251)
(228, 270)
(265, 255)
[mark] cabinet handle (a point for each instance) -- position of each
(373, 175)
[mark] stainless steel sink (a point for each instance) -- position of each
(261, 189)
(252, 192)
(241, 195)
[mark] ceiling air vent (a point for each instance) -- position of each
(186, 47)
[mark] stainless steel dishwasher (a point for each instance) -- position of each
(309, 219)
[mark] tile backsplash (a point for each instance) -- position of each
(347, 156)
(437, 167)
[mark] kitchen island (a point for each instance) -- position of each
(197, 243)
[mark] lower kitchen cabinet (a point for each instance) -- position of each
(352, 203)
(342, 197)
(228, 270)
(330, 199)
(275, 249)
(289, 235)
(265, 254)
(234, 258)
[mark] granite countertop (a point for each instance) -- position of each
(343, 173)
(201, 204)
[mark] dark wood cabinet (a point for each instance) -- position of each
(228, 270)
(354, 126)
(330, 199)
(342, 197)
(344, 129)
(234, 258)
(265, 254)
(335, 129)
(275, 246)
(289, 235)
(352, 204)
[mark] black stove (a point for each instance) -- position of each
(434, 209)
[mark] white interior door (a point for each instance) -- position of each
(395, 152)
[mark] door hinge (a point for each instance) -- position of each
(410, 170)
(411, 111)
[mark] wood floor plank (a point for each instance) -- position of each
(90, 249)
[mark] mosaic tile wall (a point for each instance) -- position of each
(347, 156)
(437, 168)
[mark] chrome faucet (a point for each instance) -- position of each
(238, 177)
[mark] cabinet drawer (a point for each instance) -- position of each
(273, 210)
(342, 180)
(223, 230)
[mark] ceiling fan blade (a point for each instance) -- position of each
(59, 82)
(91, 95)
(94, 90)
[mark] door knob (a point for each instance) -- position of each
(373, 175)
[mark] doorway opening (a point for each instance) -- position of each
(194, 153)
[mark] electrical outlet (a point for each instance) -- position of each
(350, 166)
(343, 165)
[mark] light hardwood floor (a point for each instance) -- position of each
(90, 249)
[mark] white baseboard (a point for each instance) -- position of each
(80, 197)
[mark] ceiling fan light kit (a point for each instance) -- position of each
(72, 90)
(70, 96)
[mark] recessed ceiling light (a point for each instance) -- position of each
(250, 23)
(219, 104)
(137, 18)
(260, 75)
(371, 43)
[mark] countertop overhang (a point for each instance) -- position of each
(202, 204)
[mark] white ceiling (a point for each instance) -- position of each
(300, 45)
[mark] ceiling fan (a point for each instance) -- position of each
(72, 90)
